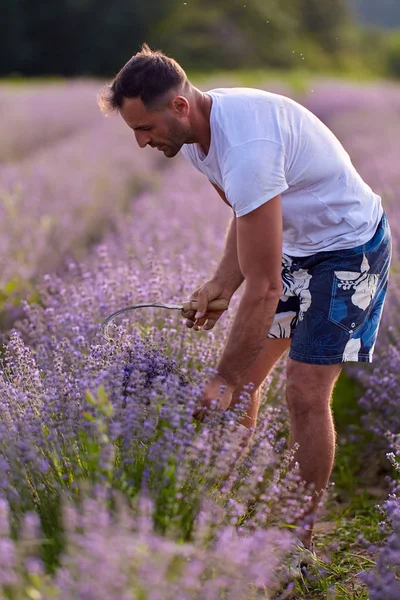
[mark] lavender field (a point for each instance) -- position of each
(109, 489)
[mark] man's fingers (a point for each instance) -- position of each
(202, 307)
(199, 324)
(203, 323)
(199, 415)
(189, 314)
(201, 411)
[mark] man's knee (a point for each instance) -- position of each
(301, 400)
(309, 387)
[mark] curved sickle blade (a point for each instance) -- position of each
(110, 318)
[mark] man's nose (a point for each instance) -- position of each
(142, 138)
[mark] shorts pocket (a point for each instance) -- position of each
(352, 294)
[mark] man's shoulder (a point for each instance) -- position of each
(255, 106)
(242, 92)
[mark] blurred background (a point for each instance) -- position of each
(96, 37)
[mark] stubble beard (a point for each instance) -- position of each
(178, 136)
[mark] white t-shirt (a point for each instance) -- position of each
(265, 144)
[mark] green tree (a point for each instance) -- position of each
(96, 37)
(229, 33)
(324, 21)
(72, 37)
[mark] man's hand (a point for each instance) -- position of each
(211, 290)
(211, 392)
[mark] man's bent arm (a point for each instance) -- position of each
(228, 271)
(260, 256)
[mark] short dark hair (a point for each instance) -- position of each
(149, 75)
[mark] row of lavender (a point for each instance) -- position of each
(39, 115)
(66, 172)
(88, 424)
(368, 124)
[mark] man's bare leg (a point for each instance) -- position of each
(271, 352)
(269, 355)
(308, 394)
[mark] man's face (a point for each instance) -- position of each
(166, 129)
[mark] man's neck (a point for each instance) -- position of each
(201, 120)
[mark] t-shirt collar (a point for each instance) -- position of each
(205, 159)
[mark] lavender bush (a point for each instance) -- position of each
(384, 581)
(78, 411)
(115, 555)
(373, 149)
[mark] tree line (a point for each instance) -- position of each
(96, 37)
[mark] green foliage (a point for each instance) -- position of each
(36, 37)
(393, 57)
(324, 21)
(202, 34)
(259, 33)
(370, 47)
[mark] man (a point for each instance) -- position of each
(308, 237)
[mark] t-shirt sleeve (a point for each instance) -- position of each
(254, 173)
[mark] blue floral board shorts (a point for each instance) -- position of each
(332, 302)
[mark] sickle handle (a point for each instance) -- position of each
(220, 304)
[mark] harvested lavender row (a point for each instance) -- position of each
(36, 116)
(334, 99)
(64, 198)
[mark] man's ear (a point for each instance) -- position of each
(180, 105)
